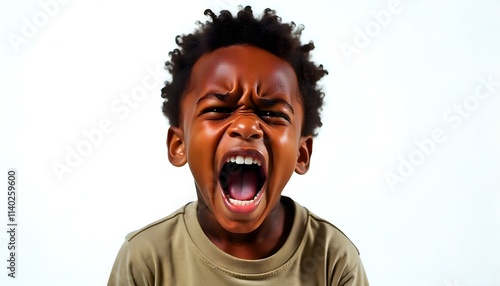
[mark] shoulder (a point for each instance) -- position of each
(327, 252)
(318, 228)
(322, 236)
(159, 233)
(336, 237)
(148, 248)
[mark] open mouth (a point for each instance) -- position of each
(241, 180)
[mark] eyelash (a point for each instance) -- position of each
(260, 113)
(270, 113)
(217, 110)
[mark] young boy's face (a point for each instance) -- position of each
(242, 104)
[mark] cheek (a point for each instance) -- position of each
(285, 148)
(287, 140)
(200, 144)
(201, 147)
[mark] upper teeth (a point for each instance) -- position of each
(247, 160)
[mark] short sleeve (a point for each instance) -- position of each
(127, 270)
(355, 277)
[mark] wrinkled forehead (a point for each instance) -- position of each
(244, 66)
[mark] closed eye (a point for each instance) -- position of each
(273, 114)
(217, 110)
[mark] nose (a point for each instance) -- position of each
(246, 127)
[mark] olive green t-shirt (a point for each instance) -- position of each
(176, 251)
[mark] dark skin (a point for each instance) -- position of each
(260, 243)
(242, 101)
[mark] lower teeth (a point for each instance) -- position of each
(240, 203)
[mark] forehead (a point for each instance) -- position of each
(244, 66)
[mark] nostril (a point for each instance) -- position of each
(234, 134)
(255, 136)
(246, 129)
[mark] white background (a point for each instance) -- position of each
(439, 225)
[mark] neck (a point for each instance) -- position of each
(263, 242)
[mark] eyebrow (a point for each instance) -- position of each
(269, 102)
(222, 97)
(266, 102)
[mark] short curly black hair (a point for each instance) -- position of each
(268, 33)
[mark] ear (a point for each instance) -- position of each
(304, 155)
(175, 144)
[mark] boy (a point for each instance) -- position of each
(243, 105)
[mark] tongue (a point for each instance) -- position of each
(243, 186)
